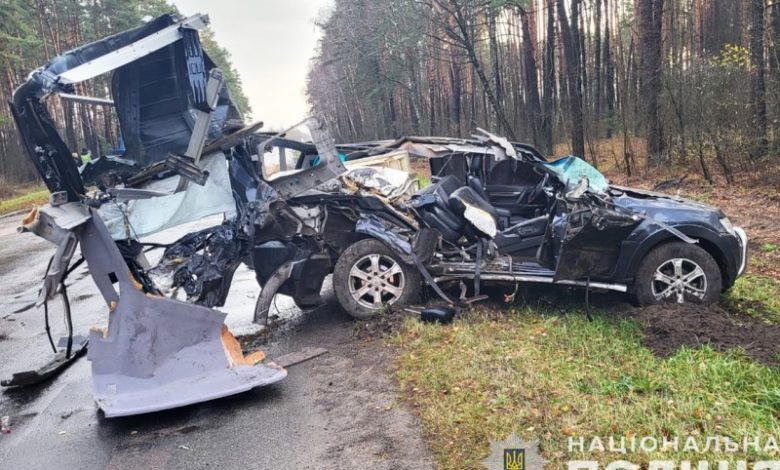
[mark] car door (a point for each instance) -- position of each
(584, 238)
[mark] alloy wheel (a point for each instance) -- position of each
(376, 280)
(677, 277)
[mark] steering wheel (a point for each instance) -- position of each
(539, 188)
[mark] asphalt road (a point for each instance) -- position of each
(338, 411)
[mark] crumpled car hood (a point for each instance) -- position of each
(667, 208)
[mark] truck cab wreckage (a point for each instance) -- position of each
(497, 212)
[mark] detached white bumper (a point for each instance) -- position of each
(743, 243)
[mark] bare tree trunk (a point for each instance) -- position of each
(774, 69)
(491, 14)
(758, 70)
(461, 33)
(548, 80)
(70, 132)
(650, 16)
(610, 70)
(597, 92)
(570, 52)
(457, 92)
(531, 81)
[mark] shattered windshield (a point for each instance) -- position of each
(570, 170)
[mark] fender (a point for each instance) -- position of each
(372, 226)
(633, 252)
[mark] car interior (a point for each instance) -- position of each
(516, 202)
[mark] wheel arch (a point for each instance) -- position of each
(707, 239)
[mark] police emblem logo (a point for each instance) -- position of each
(514, 459)
(514, 454)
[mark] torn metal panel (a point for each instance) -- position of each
(268, 217)
(385, 182)
(57, 225)
(204, 106)
(126, 53)
(131, 52)
(590, 243)
(159, 353)
(330, 164)
(398, 160)
(270, 288)
(502, 142)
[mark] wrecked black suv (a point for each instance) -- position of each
(562, 222)
(496, 212)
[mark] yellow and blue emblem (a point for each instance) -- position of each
(514, 459)
(514, 454)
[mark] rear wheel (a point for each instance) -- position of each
(678, 272)
(369, 276)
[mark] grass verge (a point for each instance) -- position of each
(755, 295)
(551, 377)
(24, 201)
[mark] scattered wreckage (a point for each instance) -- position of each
(496, 212)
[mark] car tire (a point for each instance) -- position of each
(364, 285)
(677, 272)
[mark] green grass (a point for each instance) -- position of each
(755, 295)
(24, 201)
(703, 197)
(769, 247)
(550, 377)
(424, 181)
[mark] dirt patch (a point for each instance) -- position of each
(381, 327)
(669, 327)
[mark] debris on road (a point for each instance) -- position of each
(61, 360)
(294, 358)
(442, 314)
(5, 425)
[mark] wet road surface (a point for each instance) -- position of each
(340, 410)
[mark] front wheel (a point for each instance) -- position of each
(369, 276)
(678, 272)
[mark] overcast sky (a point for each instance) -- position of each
(271, 43)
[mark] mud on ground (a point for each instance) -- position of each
(669, 327)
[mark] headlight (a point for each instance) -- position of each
(727, 225)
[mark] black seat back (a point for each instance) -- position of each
(466, 196)
(474, 179)
(475, 183)
(433, 206)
